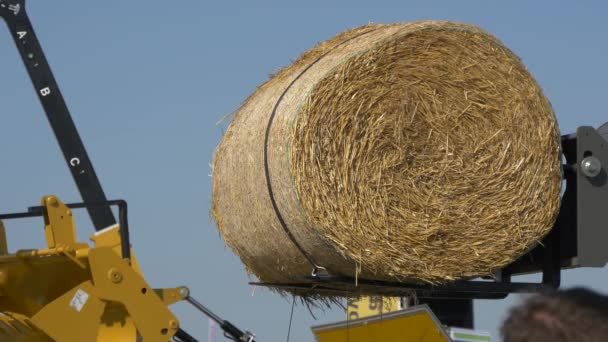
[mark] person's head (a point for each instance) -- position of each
(570, 315)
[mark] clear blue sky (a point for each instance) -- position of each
(146, 82)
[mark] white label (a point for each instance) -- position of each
(79, 300)
(99, 232)
(14, 8)
(45, 91)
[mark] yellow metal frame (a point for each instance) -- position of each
(71, 291)
(413, 324)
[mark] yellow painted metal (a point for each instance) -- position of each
(59, 224)
(116, 281)
(359, 307)
(414, 324)
(74, 316)
(116, 325)
(110, 237)
(3, 243)
(18, 328)
(28, 284)
(42, 290)
(170, 296)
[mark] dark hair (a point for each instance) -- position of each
(575, 315)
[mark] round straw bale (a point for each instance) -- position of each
(415, 152)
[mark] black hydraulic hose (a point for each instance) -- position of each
(182, 336)
(229, 329)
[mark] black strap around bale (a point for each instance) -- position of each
(316, 267)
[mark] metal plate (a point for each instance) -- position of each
(592, 200)
(415, 324)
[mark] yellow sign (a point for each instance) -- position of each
(370, 306)
(415, 324)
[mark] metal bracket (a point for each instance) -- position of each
(577, 239)
(116, 281)
(592, 197)
(14, 14)
(81, 306)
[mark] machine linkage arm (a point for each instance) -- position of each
(230, 330)
(14, 14)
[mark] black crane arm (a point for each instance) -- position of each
(14, 14)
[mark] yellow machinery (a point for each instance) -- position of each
(71, 291)
(414, 324)
(365, 306)
(379, 319)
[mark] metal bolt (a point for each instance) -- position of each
(115, 275)
(68, 212)
(591, 166)
(184, 292)
(51, 200)
(173, 324)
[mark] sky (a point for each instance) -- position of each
(147, 82)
